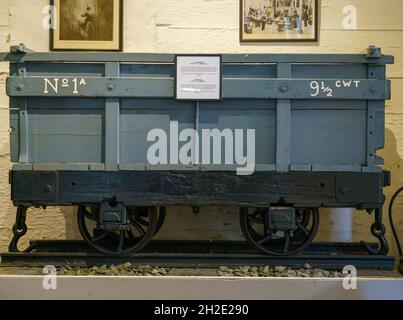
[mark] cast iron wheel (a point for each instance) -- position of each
(142, 229)
(142, 211)
(279, 243)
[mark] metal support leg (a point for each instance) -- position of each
(19, 229)
(378, 230)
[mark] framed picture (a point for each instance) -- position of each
(87, 25)
(279, 20)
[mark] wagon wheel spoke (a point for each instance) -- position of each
(89, 215)
(142, 221)
(99, 238)
(254, 217)
(268, 238)
(287, 242)
(138, 227)
(265, 227)
(121, 241)
(303, 228)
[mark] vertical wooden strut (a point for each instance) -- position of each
(23, 121)
(112, 121)
(283, 145)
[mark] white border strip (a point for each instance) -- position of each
(198, 288)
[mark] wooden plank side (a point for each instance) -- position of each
(232, 88)
(228, 57)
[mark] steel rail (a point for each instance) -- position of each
(197, 254)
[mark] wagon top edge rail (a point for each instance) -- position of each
(22, 54)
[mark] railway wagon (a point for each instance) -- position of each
(80, 136)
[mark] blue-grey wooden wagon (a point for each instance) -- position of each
(319, 121)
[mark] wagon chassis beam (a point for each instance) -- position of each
(170, 188)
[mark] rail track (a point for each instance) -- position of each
(197, 254)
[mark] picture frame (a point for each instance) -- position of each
(87, 25)
(279, 20)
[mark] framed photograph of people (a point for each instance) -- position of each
(279, 20)
(87, 25)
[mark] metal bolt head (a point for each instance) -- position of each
(283, 89)
(374, 52)
(373, 90)
(111, 87)
(20, 87)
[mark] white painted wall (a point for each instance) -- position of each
(212, 26)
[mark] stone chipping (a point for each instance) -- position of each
(279, 272)
(128, 269)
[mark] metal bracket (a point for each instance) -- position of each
(19, 229)
(387, 178)
(113, 218)
(374, 52)
(378, 230)
(20, 49)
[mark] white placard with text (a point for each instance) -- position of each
(198, 77)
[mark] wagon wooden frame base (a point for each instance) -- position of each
(167, 188)
(363, 191)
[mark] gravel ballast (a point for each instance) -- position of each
(307, 272)
(128, 269)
